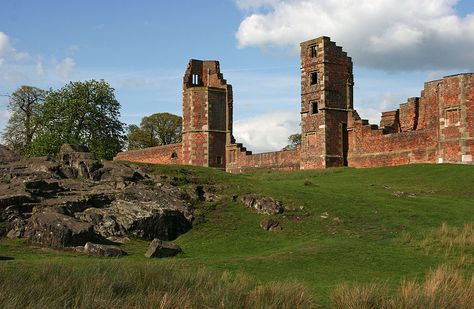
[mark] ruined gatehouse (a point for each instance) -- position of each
(437, 127)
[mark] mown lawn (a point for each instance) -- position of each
(341, 225)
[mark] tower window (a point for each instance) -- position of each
(195, 79)
(314, 106)
(174, 155)
(313, 51)
(314, 78)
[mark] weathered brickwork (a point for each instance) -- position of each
(241, 160)
(167, 154)
(436, 127)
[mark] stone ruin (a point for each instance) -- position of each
(437, 127)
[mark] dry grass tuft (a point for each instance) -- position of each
(453, 237)
(114, 285)
(443, 288)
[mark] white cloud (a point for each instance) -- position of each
(39, 68)
(267, 132)
(389, 34)
(8, 51)
(65, 67)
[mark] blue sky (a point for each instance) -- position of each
(142, 47)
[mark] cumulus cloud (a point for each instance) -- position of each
(389, 34)
(8, 51)
(267, 132)
(65, 67)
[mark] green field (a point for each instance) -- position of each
(340, 225)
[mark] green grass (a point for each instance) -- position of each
(370, 215)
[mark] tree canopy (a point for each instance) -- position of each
(21, 127)
(295, 141)
(84, 113)
(157, 129)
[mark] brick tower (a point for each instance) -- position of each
(326, 103)
(207, 114)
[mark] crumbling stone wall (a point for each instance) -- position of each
(435, 128)
(242, 160)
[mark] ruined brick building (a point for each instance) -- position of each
(437, 127)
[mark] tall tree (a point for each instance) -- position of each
(21, 127)
(84, 113)
(157, 129)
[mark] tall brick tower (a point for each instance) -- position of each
(207, 114)
(326, 102)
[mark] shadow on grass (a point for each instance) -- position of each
(6, 258)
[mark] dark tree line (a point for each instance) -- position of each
(85, 113)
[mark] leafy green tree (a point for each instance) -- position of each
(157, 129)
(295, 141)
(84, 113)
(21, 127)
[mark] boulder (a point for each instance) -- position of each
(57, 230)
(264, 205)
(270, 225)
(161, 249)
(78, 157)
(18, 228)
(102, 250)
(145, 220)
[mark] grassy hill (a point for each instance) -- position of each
(355, 226)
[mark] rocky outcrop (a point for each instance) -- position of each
(264, 205)
(56, 230)
(161, 249)
(102, 250)
(78, 198)
(7, 155)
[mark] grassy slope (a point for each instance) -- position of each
(372, 207)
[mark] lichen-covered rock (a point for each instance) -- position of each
(146, 220)
(161, 249)
(57, 230)
(265, 205)
(102, 250)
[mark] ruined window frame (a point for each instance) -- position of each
(313, 78)
(313, 51)
(314, 106)
(447, 122)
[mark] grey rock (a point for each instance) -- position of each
(43, 187)
(57, 230)
(102, 250)
(161, 249)
(145, 220)
(270, 225)
(265, 205)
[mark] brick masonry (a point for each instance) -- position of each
(437, 127)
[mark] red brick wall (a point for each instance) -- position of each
(154, 155)
(439, 127)
(242, 160)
